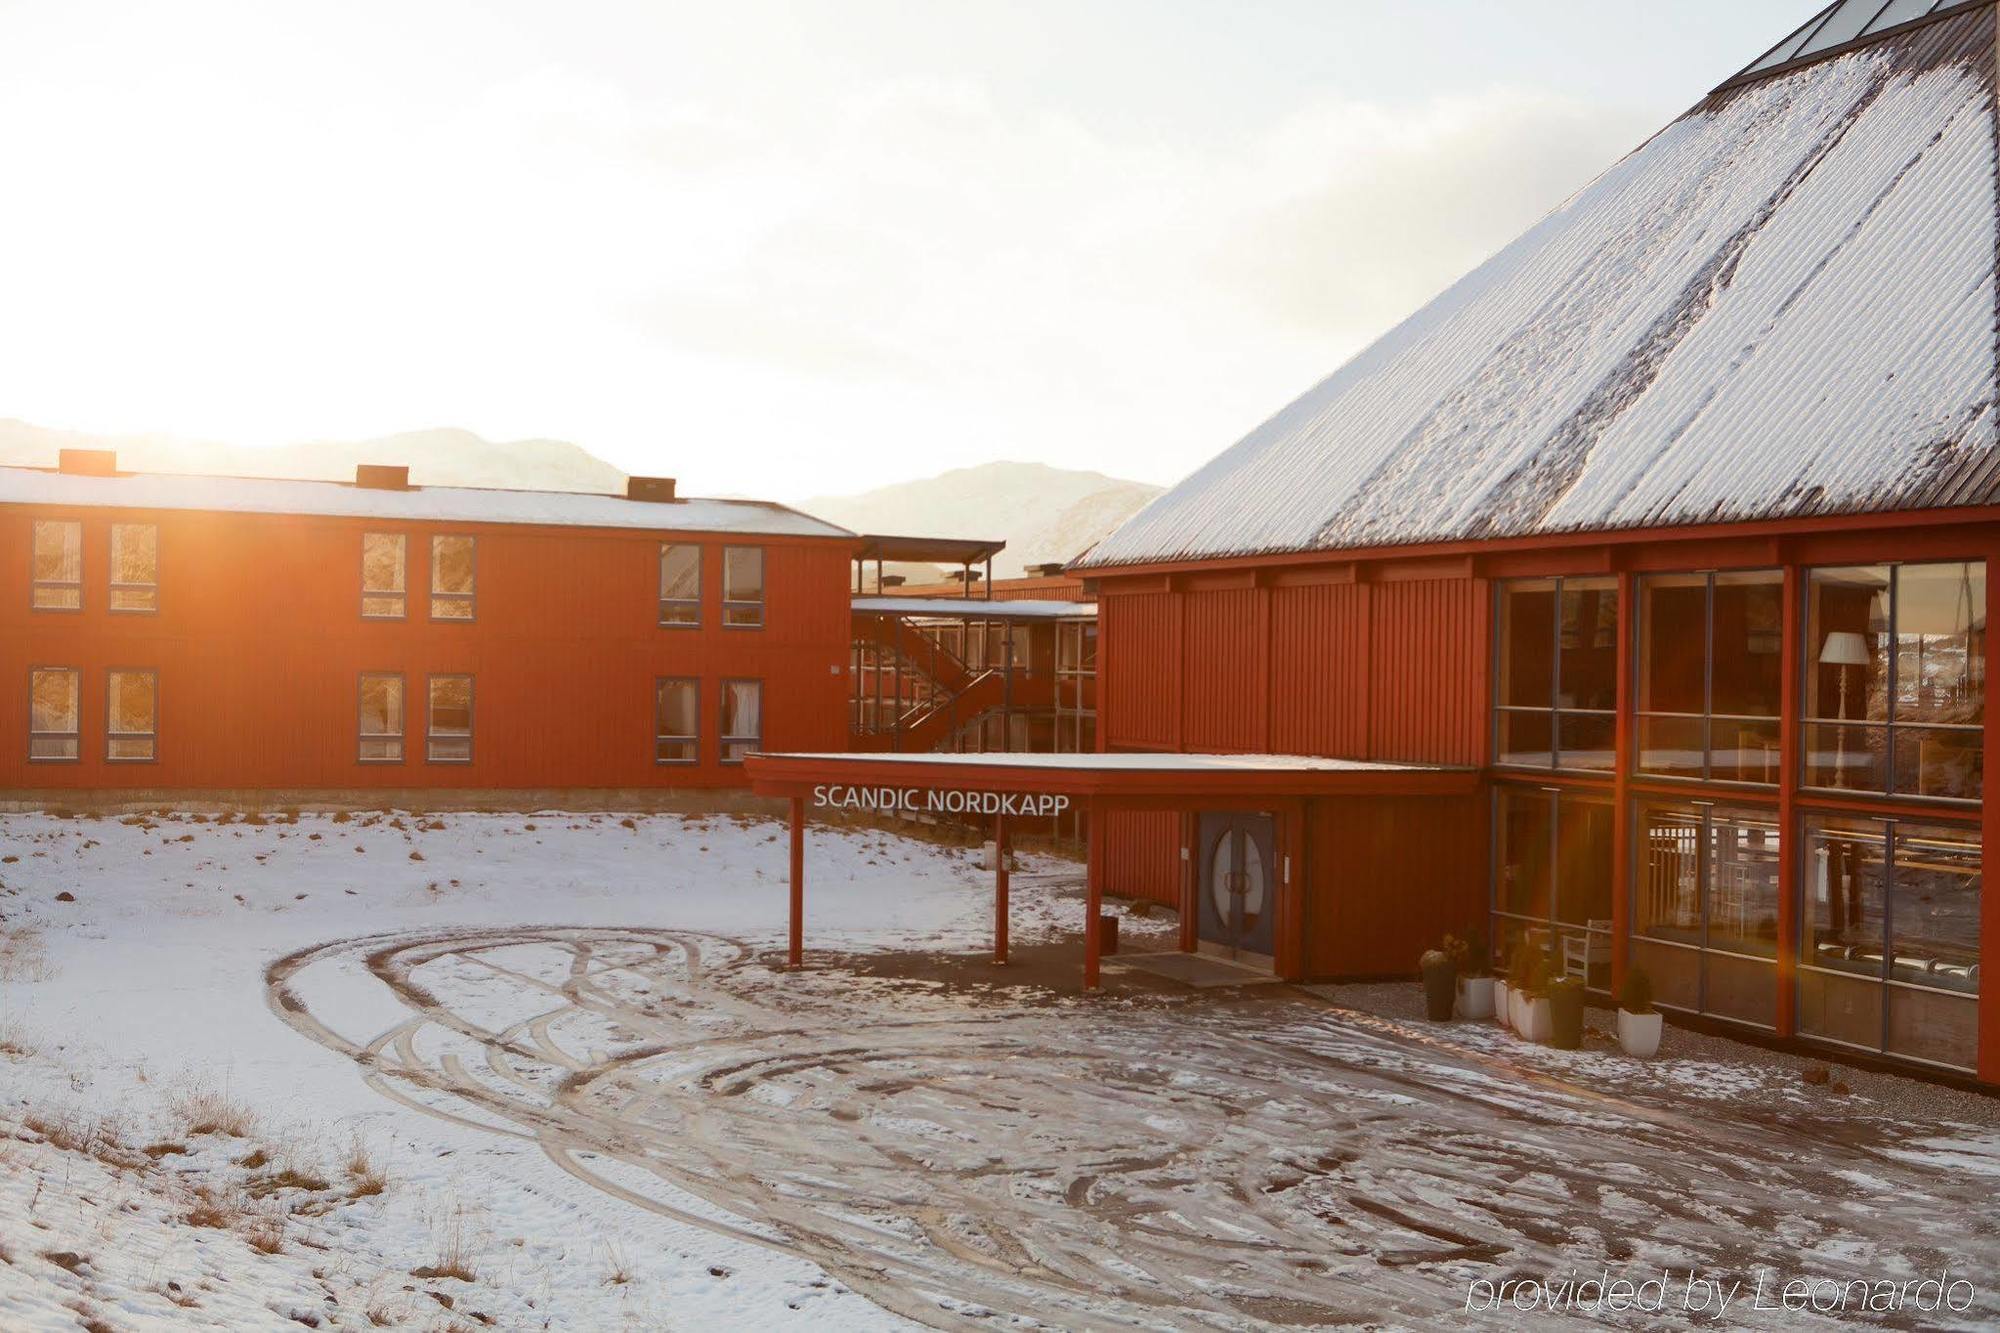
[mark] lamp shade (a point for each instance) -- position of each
(1844, 647)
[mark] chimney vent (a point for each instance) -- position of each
(1052, 570)
(660, 490)
(892, 581)
(381, 477)
(88, 462)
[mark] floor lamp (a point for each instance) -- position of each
(1843, 648)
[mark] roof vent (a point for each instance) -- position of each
(891, 581)
(1051, 570)
(381, 477)
(966, 576)
(660, 490)
(88, 462)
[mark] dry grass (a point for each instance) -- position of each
(365, 1178)
(619, 1272)
(23, 957)
(266, 1235)
(72, 1131)
(286, 1178)
(206, 1111)
(13, 1043)
(454, 1249)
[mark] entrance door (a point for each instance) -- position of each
(1238, 900)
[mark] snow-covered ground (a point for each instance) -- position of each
(545, 1072)
(132, 976)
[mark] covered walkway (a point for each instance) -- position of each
(998, 786)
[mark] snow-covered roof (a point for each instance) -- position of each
(998, 609)
(453, 504)
(1783, 304)
(1128, 763)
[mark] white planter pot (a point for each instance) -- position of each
(1475, 997)
(1639, 1034)
(1535, 1023)
(1503, 1013)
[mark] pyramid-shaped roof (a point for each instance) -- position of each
(1781, 305)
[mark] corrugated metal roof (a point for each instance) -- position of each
(976, 608)
(453, 504)
(1783, 304)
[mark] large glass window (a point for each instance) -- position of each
(449, 732)
(1896, 679)
(677, 720)
(1705, 908)
(453, 560)
(1889, 959)
(135, 567)
(1557, 688)
(132, 722)
(382, 575)
(743, 586)
(58, 566)
(1553, 879)
(381, 720)
(742, 719)
(1711, 674)
(54, 711)
(680, 585)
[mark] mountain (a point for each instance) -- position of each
(444, 457)
(1043, 513)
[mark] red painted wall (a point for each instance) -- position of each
(259, 644)
(1387, 878)
(1142, 855)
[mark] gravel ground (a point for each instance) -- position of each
(1687, 1057)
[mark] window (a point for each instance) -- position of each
(450, 731)
(1557, 686)
(52, 713)
(677, 720)
(135, 567)
(451, 578)
(1896, 679)
(382, 585)
(381, 718)
(742, 718)
(680, 585)
(743, 586)
(1711, 668)
(58, 578)
(131, 724)
(1889, 959)
(1705, 908)
(1552, 880)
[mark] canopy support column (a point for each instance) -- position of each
(798, 881)
(1093, 901)
(1000, 888)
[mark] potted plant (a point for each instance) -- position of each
(1566, 1013)
(1440, 984)
(1475, 974)
(1531, 1013)
(1517, 982)
(1638, 1022)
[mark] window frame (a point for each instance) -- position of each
(113, 587)
(1550, 925)
(153, 737)
(1706, 816)
(700, 569)
(402, 590)
(402, 737)
(431, 734)
(1555, 712)
(1889, 727)
(470, 599)
(735, 605)
(1708, 717)
(724, 738)
(35, 585)
(75, 737)
(661, 738)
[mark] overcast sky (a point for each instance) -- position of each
(783, 248)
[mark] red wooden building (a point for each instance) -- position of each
(296, 640)
(1672, 521)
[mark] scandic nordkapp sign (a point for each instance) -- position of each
(920, 800)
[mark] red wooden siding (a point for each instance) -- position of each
(1427, 671)
(1319, 670)
(1219, 659)
(1387, 878)
(259, 645)
(1137, 699)
(1142, 855)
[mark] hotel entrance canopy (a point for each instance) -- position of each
(1000, 785)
